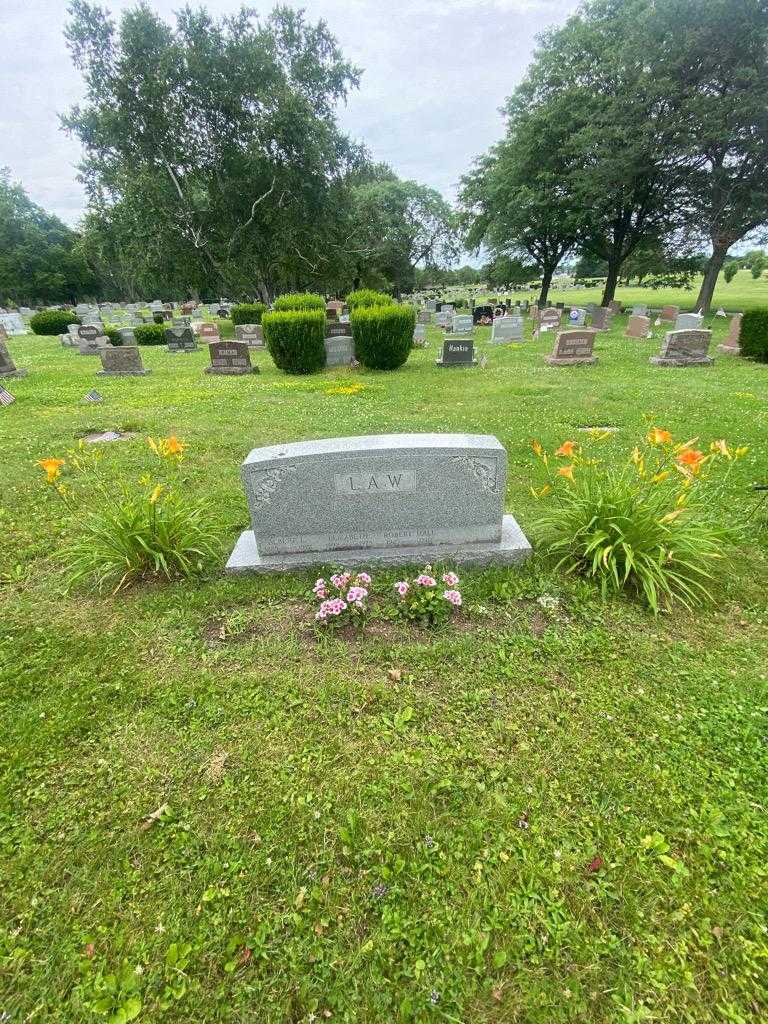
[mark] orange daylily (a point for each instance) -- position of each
(542, 493)
(172, 446)
(566, 471)
(537, 449)
(658, 436)
(566, 449)
(691, 459)
(52, 468)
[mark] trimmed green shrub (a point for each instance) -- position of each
(299, 301)
(248, 313)
(365, 297)
(296, 339)
(150, 334)
(460, 303)
(113, 335)
(383, 335)
(754, 334)
(52, 321)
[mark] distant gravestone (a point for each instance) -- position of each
(573, 347)
(638, 327)
(577, 317)
(431, 305)
(419, 335)
(7, 366)
(684, 348)
(384, 499)
(424, 317)
(91, 340)
(443, 320)
(688, 322)
(251, 334)
(732, 344)
(13, 323)
(230, 359)
(447, 307)
(158, 316)
(126, 336)
(669, 314)
(549, 319)
(640, 310)
(457, 352)
(122, 361)
(180, 339)
(480, 313)
(339, 348)
(615, 306)
(601, 317)
(462, 323)
(222, 312)
(209, 330)
(507, 328)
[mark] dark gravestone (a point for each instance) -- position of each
(457, 353)
(159, 317)
(336, 330)
(230, 359)
(573, 347)
(601, 318)
(684, 348)
(180, 339)
(339, 348)
(7, 366)
(91, 340)
(222, 313)
(123, 361)
(482, 312)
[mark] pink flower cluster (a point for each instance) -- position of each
(450, 579)
(402, 587)
(453, 596)
(425, 581)
(351, 596)
(335, 606)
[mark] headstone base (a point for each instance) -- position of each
(439, 362)
(18, 372)
(510, 550)
(231, 371)
(665, 361)
(123, 373)
(573, 361)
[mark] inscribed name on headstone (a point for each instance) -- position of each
(507, 328)
(391, 499)
(251, 334)
(573, 347)
(462, 323)
(732, 344)
(684, 348)
(122, 361)
(209, 330)
(7, 366)
(180, 339)
(230, 359)
(457, 352)
(339, 348)
(638, 327)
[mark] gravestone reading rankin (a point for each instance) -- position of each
(383, 499)
(251, 334)
(230, 359)
(180, 339)
(122, 361)
(7, 366)
(573, 347)
(638, 327)
(732, 344)
(507, 328)
(457, 352)
(684, 348)
(339, 346)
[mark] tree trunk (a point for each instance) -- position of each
(614, 267)
(711, 273)
(546, 281)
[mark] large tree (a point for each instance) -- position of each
(41, 260)
(213, 142)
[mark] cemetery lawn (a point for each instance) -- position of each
(542, 816)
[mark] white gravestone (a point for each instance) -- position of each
(507, 328)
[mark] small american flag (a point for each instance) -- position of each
(93, 396)
(6, 398)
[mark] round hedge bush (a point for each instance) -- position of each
(365, 297)
(754, 334)
(299, 301)
(149, 334)
(296, 339)
(52, 321)
(248, 313)
(383, 335)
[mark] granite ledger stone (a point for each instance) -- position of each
(379, 499)
(123, 361)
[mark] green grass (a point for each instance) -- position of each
(741, 294)
(535, 816)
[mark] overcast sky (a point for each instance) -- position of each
(435, 74)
